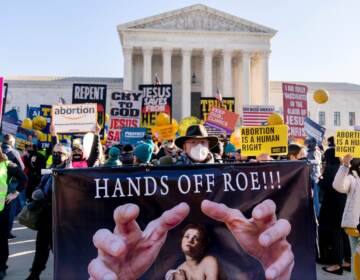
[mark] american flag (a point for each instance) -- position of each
(218, 95)
(157, 80)
(255, 115)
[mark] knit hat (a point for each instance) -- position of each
(114, 153)
(230, 148)
(143, 152)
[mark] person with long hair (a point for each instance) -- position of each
(8, 170)
(347, 180)
(198, 264)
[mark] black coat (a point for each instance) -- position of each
(333, 203)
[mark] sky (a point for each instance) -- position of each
(316, 40)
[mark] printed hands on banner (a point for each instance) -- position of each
(127, 253)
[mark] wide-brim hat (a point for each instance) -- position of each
(196, 131)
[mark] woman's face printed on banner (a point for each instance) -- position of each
(190, 242)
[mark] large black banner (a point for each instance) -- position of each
(85, 200)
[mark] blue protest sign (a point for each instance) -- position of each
(314, 130)
(132, 135)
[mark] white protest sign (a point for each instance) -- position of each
(74, 118)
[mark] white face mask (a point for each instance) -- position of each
(199, 152)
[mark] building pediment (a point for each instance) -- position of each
(197, 18)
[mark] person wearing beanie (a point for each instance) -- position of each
(143, 153)
(114, 155)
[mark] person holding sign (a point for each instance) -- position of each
(347, 181)
(127, 253)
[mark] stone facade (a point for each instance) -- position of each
(199, 43)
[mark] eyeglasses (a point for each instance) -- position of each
(58, 154)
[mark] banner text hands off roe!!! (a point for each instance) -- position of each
(185, 184)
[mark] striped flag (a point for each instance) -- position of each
(255, 115)
(218, 95)
(157, 80)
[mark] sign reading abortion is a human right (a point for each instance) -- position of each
(257, 140)
(347, 142)
(74, 118)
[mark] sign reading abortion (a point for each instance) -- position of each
(207, 103)
(125, 111)
(74, 118)
(295, 109)
(92, 93)
(156, 99)
(257, 140)
(142, 218)
(347, 142)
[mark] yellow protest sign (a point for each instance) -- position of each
(257, 140)
(347, 142)
(165, 132)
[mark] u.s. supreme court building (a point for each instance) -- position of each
(198, 50)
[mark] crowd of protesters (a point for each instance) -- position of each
(335, 184)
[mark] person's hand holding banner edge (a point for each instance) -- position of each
(262, 236)
(128, 252)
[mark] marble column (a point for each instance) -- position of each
(186, 83)
(166, 54)
(264, 64)
(227, 73)
(246, 63)
(127, 53)
(207, 73)
(147, 72)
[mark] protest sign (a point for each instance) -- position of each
(347, 142)
(24, 137)
(165, 132)
(92, 93)
(125, 111)
(32, 112)
(314, 130)
(207, 103)
(84, 202)
(295, 109)
(74, 118)
(215, 131)
(222, 118)
(44, 136)
(156, 99)
(257, 140)
(132, 135)
(254, 115)
(10, 122)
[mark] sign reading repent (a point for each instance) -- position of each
(74, 117)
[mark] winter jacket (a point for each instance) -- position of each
(349, 184)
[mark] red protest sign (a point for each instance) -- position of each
(295, 108)
(222, 118)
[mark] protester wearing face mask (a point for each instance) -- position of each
(78, 160)
(44, 235)
(196, 145)
(296, 152)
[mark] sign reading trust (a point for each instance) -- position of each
(74, 118)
